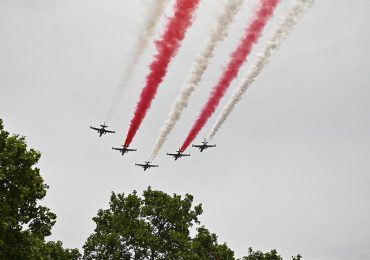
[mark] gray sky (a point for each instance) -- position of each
(291, 168)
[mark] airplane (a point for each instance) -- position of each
(178, 154)
(124, 149)
(203, 146)
(102, 130)
(146, 166)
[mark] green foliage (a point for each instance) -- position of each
(156, 226)
(23, 222)
(55, 251)
(204, 246)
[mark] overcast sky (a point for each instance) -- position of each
(291, 169)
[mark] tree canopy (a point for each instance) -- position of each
(156, 226)
(23, 222)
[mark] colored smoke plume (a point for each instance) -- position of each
(218, 34)
(273, 44)
(238, 57)
(167, 48)
(155, 12)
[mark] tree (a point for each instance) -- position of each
(23, 222)
(156, 226)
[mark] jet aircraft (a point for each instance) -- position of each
(124, 149)
(178, 154)
(146, 165)
(102, 130)
(203, 146)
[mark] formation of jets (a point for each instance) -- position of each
(146, 165)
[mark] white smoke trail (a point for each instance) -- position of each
(200, 65)
(285, 26)
(155, 12)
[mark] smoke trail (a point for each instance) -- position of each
(154, 14)
(200, 65)
(252, 33)
(281, 32)
(167, 47)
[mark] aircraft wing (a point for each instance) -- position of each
(117, 149)
(172, 154)
(151, 165)
(212, 145)
(185, 154)
(109, 131)
(139, 164)
(197, 145)
(130, 150)
(97, 129)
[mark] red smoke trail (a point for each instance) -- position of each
(237, 59)
(167, 47)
